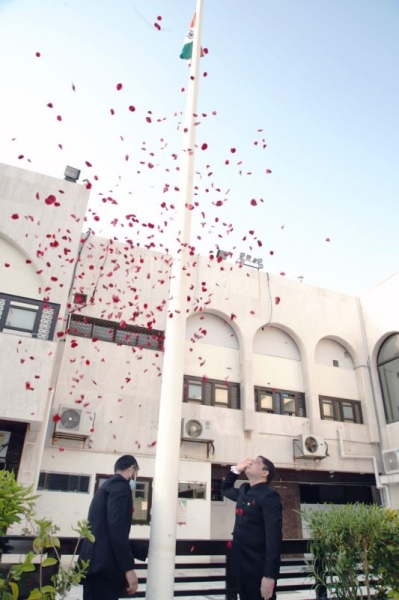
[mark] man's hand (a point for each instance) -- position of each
(132, 582)
(266, 588)
(243, 464)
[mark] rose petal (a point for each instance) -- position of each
(277, 300)
(204, 146)
(119, 86)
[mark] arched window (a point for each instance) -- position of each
(388, 370)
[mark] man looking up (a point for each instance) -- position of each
(258, 529)
(111, 568)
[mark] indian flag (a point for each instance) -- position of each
(187, 51)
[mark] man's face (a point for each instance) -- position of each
(257, 468)
(134, 472)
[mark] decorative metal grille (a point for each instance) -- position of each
(2, 305)
(111, 331)
(46, 322)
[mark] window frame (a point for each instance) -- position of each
(380, 365)
(140, 479)
(114, 330)
(338, 412)
(81, 476)
(233, 389)
(40, 307)
(299, 397)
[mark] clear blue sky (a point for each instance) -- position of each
(319, 77)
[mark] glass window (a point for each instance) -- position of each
(63, 482)
(266, 401)
(141, 501)
(195, 391)
(347, 412)
(80, 328)
(328, 410)
(221, 395)
(192, 489)
(389, 381)
(21, 318)
(339, 409)
(389, 349)
(289, 404)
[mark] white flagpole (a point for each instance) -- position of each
(160, 575)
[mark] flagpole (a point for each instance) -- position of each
(161, 565)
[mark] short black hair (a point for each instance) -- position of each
(124, 462)
(269, 466)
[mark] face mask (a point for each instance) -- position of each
(132, 484)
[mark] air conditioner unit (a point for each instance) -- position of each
(196, 430)
(74, 423)
(4, 441)
(310, 446)
(391, 460)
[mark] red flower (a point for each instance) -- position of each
(239, 512)
(56, 418)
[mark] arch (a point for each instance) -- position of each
(388, 373)
(334, 352)
(273, 341)
(277, 358)
(18, 274)
(222, 330)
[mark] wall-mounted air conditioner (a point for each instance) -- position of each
(74, 423)
(391, 460)
(4, 441)
(196, 430)
(310, 446)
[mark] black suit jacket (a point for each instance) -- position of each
(258, 527)
(110, 518)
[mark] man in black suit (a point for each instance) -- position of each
(258, 529)
(111, 568)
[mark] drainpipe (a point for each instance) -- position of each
(378, 483)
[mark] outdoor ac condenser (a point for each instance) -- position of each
(310, 447)
(74, 423)
(391, 461)
(196, 430)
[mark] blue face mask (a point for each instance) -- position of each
(132, 484)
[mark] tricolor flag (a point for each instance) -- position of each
(187, 51)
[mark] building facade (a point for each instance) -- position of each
(300, 374)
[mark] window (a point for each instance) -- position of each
(63, 482)
(388, 371)
(192, 490)
(216, 490)
(334, 494)
(111, 331)
(211, 392)
(335, 363)
(280, 402)
(142, 498)
(28, 318)
(338, 409)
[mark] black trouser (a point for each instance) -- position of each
(98, 587)
(248, 586)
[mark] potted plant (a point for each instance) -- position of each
(54, 580)
(355, 550)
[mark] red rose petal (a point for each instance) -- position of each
(204, 146)
(15, 216)
(132, 108)
(327, 239)
(159, 18)
(253, 203)
(268, 171)
(119, 87)
(56, 418)
(38, 54)
(277, 300)
(59, 118)
(50, 199)
(233, 150)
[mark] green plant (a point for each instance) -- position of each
(353, 537)
(16, 502)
